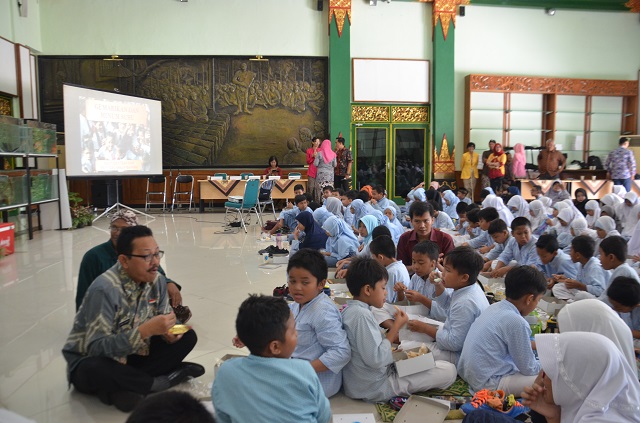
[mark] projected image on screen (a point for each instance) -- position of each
(111, 134)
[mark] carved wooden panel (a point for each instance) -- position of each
(542, 85)
(370, 114)
(410, 114)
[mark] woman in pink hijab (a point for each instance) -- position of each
(519, 160)
(325, 161)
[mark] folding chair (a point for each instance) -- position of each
(155, 191)
(264, 197)
(223, 175)
(180, 190)
(245, 175)
(249, 203)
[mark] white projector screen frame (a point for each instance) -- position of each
(110, 134)
(391, 80)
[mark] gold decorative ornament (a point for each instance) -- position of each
(5, 106)
(341, 9)
(444, 163)
(370, 113)
(633, 5)
(445, 11)
(410, 114)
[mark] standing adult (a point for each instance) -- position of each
(621, 165)
(496, 163)
(421, 215)
(485, 170)
(120, 348)
(312, 183)
(325, 161)
(519, 162)
(551, 162)
(343, 165)
(469, 170)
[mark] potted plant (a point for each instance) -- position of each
(81, 216)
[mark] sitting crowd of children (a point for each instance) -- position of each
(550, 246)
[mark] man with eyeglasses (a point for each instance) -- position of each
(120, 348)
(100, 258)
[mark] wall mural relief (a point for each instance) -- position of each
(216, 112)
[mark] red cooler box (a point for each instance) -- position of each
(7, 237)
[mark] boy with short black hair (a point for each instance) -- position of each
(484, 243)
(347, 199)
(591, 279)
(326, 193)
(337, 192)
(473, 223)
(267, 327)
(462, 194)
(499, 232)
(287, 218)
(613, 256)
(554, 261)
(463, 305)
(441, 220)
(624, 296)
(370, 374)
(461, 210)
(321, 339)
(497, 352)
(521, 248)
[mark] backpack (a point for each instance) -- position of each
(594, 161)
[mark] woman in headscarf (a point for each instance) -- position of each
(581, 200)
(592, 209)
(537, 217)
(592, 315)
(611, 200)
(627, 214)
(366, 225)
(314, 237)
(562, 229)
(519, 161)
(580, 226)
(394, 225)
(576, 213)
(547, 203)
(341, 244)
(360, 209)
(325, 161)
(558, 192)
(585, 378)
(619, 190)
(496, 203)
(334, 206)
(519, 206)
(450, 202)
(555, 211)
(605, 227)
(633, 246)
(321, 214)
(496, 162)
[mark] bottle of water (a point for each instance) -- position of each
(279, 241)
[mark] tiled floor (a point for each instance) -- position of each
(37, 290)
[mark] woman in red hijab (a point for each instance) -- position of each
(496, 162)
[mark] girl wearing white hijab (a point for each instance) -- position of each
(498, 204)
(563, 231)
(628, 214)
(537, 217)
(580, 226)
(518, 206)
(555, 211)
(611, 200)
(585, 379)
(593, 212)
(450, 201)
(576, 212)
(619, 190)
(633, 245)
(394, 224)
(605, 227)
(546, 201)
(597, 317)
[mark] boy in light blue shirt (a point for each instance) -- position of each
(554, 261)
(441, 220)
(267, 327)
(624, 296)
(499, 232)
(591, 279)
(521, 248)
(463, 306)
(497, 353)
(483, 242)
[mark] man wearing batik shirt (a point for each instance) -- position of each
(343, 168)
(621, 165)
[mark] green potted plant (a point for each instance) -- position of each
(81, 216)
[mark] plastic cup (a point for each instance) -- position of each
(582, 177)
(593, 177)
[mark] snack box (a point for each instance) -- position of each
(486, 280)
(419, 409)
(408, 366)
(342, 299)
(280, 259)
(551, 305)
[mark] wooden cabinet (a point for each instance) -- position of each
(584, 116)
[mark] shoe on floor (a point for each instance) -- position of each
(268, 250)
(184, 372)
(124, 401)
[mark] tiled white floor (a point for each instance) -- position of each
(37, 305)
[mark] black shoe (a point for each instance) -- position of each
(268, 250)
(183, 372)
(279, 251)
(124, 401)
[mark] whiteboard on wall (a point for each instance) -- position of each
(391, 81)
(8, 77)
(26, 90)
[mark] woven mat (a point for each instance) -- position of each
(458, 392)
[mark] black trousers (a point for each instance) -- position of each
(96, 375)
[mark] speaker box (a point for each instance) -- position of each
(103, 193)
(462, 11)
(320, 5)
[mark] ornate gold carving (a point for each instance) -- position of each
(444, 163)
(5, 106)
(370, 113)
(410, 114)
(633, 5)
(341, 9)
(531, 84)
(445, 11)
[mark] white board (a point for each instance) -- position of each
(8, 77)
(391, 81)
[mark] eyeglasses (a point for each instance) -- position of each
(149, 257)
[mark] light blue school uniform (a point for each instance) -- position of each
(320, 336)
(349, 218)
(593, 276)
(443, 221)
(289, 217)
(525, 255)
(426, 288)
(482, 240)
(560, 265)
(497, 250)
(397, 273)
(498, 344)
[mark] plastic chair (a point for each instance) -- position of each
(265, 199)
(223, 175)
(249, 203)
(245, 175)
(294, 175)
(155, 191)
(180, 190)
